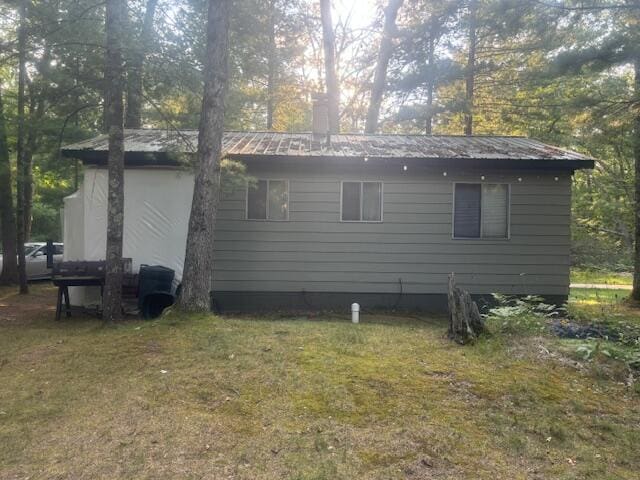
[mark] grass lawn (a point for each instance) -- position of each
(583, 275)
(301, 398)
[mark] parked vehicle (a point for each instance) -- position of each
(36, 259)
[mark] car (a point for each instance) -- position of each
(35, 254)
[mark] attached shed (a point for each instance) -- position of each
(377, 219)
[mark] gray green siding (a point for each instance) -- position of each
(314, 251)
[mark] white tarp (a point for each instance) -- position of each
(157, 204)
(73, 237)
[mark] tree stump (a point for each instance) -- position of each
(465, 322)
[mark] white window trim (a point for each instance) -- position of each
(481, 237)
(361, 182)
(246, 201)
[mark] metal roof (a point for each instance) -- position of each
(277, 144)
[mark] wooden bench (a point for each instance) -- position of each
(85, 274)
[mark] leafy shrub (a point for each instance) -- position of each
(515, 314)
(612, 360)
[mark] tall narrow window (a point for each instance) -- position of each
(278, 200)
(371, 201)
(257, 201)
(481, 210)
(362, 201)
(268, 200)
(495, 208)
(467, 210)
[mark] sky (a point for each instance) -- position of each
(362, 11)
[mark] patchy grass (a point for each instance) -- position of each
(299, 398)
(602, 305)
(586, 275)
(621, 318)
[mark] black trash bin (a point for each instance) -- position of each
(154, 289)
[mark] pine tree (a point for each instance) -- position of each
(331, 76)
(197, 278)
(9, 274)
(382, 63)
(114, 77)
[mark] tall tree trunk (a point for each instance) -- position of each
(9, 274)
(384, 55)
(114, 76)
(22, 173)
(27, 208)
(471, 68)
(635, 294)
(36, 113)
(329, 45)
(272, 65)
(430, 84)
(197, 279)
(133, 118)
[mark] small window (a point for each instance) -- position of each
(361, 201)
(481, 210)
(268, 200)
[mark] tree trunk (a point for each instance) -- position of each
(272, 65)
(384, 55)
(22, 174)
(635, 293)
(36, 113)
(27, 210)
(114, 77)
(465, 322)
(430, 85)
(9, 274)
(197, 279)
(135, 69)
(329, 45)
(471, 67)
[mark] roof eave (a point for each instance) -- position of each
(141, 159)
(426, 162)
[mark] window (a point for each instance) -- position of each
(268, 200)
(361, 201)
(481, 210)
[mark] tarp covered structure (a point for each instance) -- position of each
(157, 207)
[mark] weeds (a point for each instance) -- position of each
(513, 314)
(596, 275)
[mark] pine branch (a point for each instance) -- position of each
(597, 7)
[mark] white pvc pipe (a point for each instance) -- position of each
(355, 313)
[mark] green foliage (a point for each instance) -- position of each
(65, 66)
(601, 275)
(514, 314)
(46, 223)
(593, 349)
(619, 345)
(234, 176)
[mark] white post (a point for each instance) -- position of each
(355, 313)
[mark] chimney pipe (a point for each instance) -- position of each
(320, 117)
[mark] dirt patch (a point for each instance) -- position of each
(564, 328)
(36, 355)
(16, 309)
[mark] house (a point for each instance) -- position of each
(329, 220)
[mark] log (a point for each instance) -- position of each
(465, 322)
